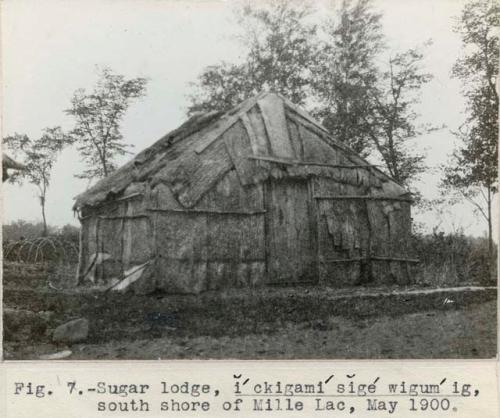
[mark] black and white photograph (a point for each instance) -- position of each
(270, 180)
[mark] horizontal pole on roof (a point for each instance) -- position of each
(383, 258)
(208, 259)
(138, 216)
(130, 196)
(296, 162)
(215, 212)
(111, 202)
(273, 160)
(347, 197)
(335, 165)
(326, 137)
(344, 260)
(373, 257)
(294, 282)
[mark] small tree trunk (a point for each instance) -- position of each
(490, 237)
(104, 164)
(42, 204)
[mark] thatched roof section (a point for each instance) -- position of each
(191, 159)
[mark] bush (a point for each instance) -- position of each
(24, 230)
(453, 260)
(23, 242)
(69, 233)
(19, 230)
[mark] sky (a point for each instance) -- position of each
(52, 48)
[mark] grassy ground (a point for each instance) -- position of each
(442, 334)
(267, 323)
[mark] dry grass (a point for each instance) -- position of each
(467, 333)
(300, 322)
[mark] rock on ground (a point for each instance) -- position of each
(72, 331)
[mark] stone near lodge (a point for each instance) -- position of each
(72, 331)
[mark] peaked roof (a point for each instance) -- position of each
(177, 158)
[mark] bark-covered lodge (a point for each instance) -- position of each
(260, 195)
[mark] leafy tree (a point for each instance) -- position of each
(472, 173)
(280, 44)
(370, 109)
(221, 87)
(98, 115)
(392, 120)
(39, 157)
(346, 72)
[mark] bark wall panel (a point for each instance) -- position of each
(198, 251)
(235, 248)
(221, 274)
(273, 115)
(389, 224)
(291, 257)
(92, 236)
(326, 187)
(239, 148)
(229, 195)
(181, 276)
(110, 244)
(381, 271)
(251, 274)
(400, 228)
(215, 162)
(192, 176)
(141, 234)
(163, 198)
(315, 149)
(181, 252)
(181, 236)
(252, 238)
(379, 223)
(91, 243)
(259, 129)
(223, 237)
(84, 246)
(295, 139)
(343, 235)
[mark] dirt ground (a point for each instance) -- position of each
(269, 323)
